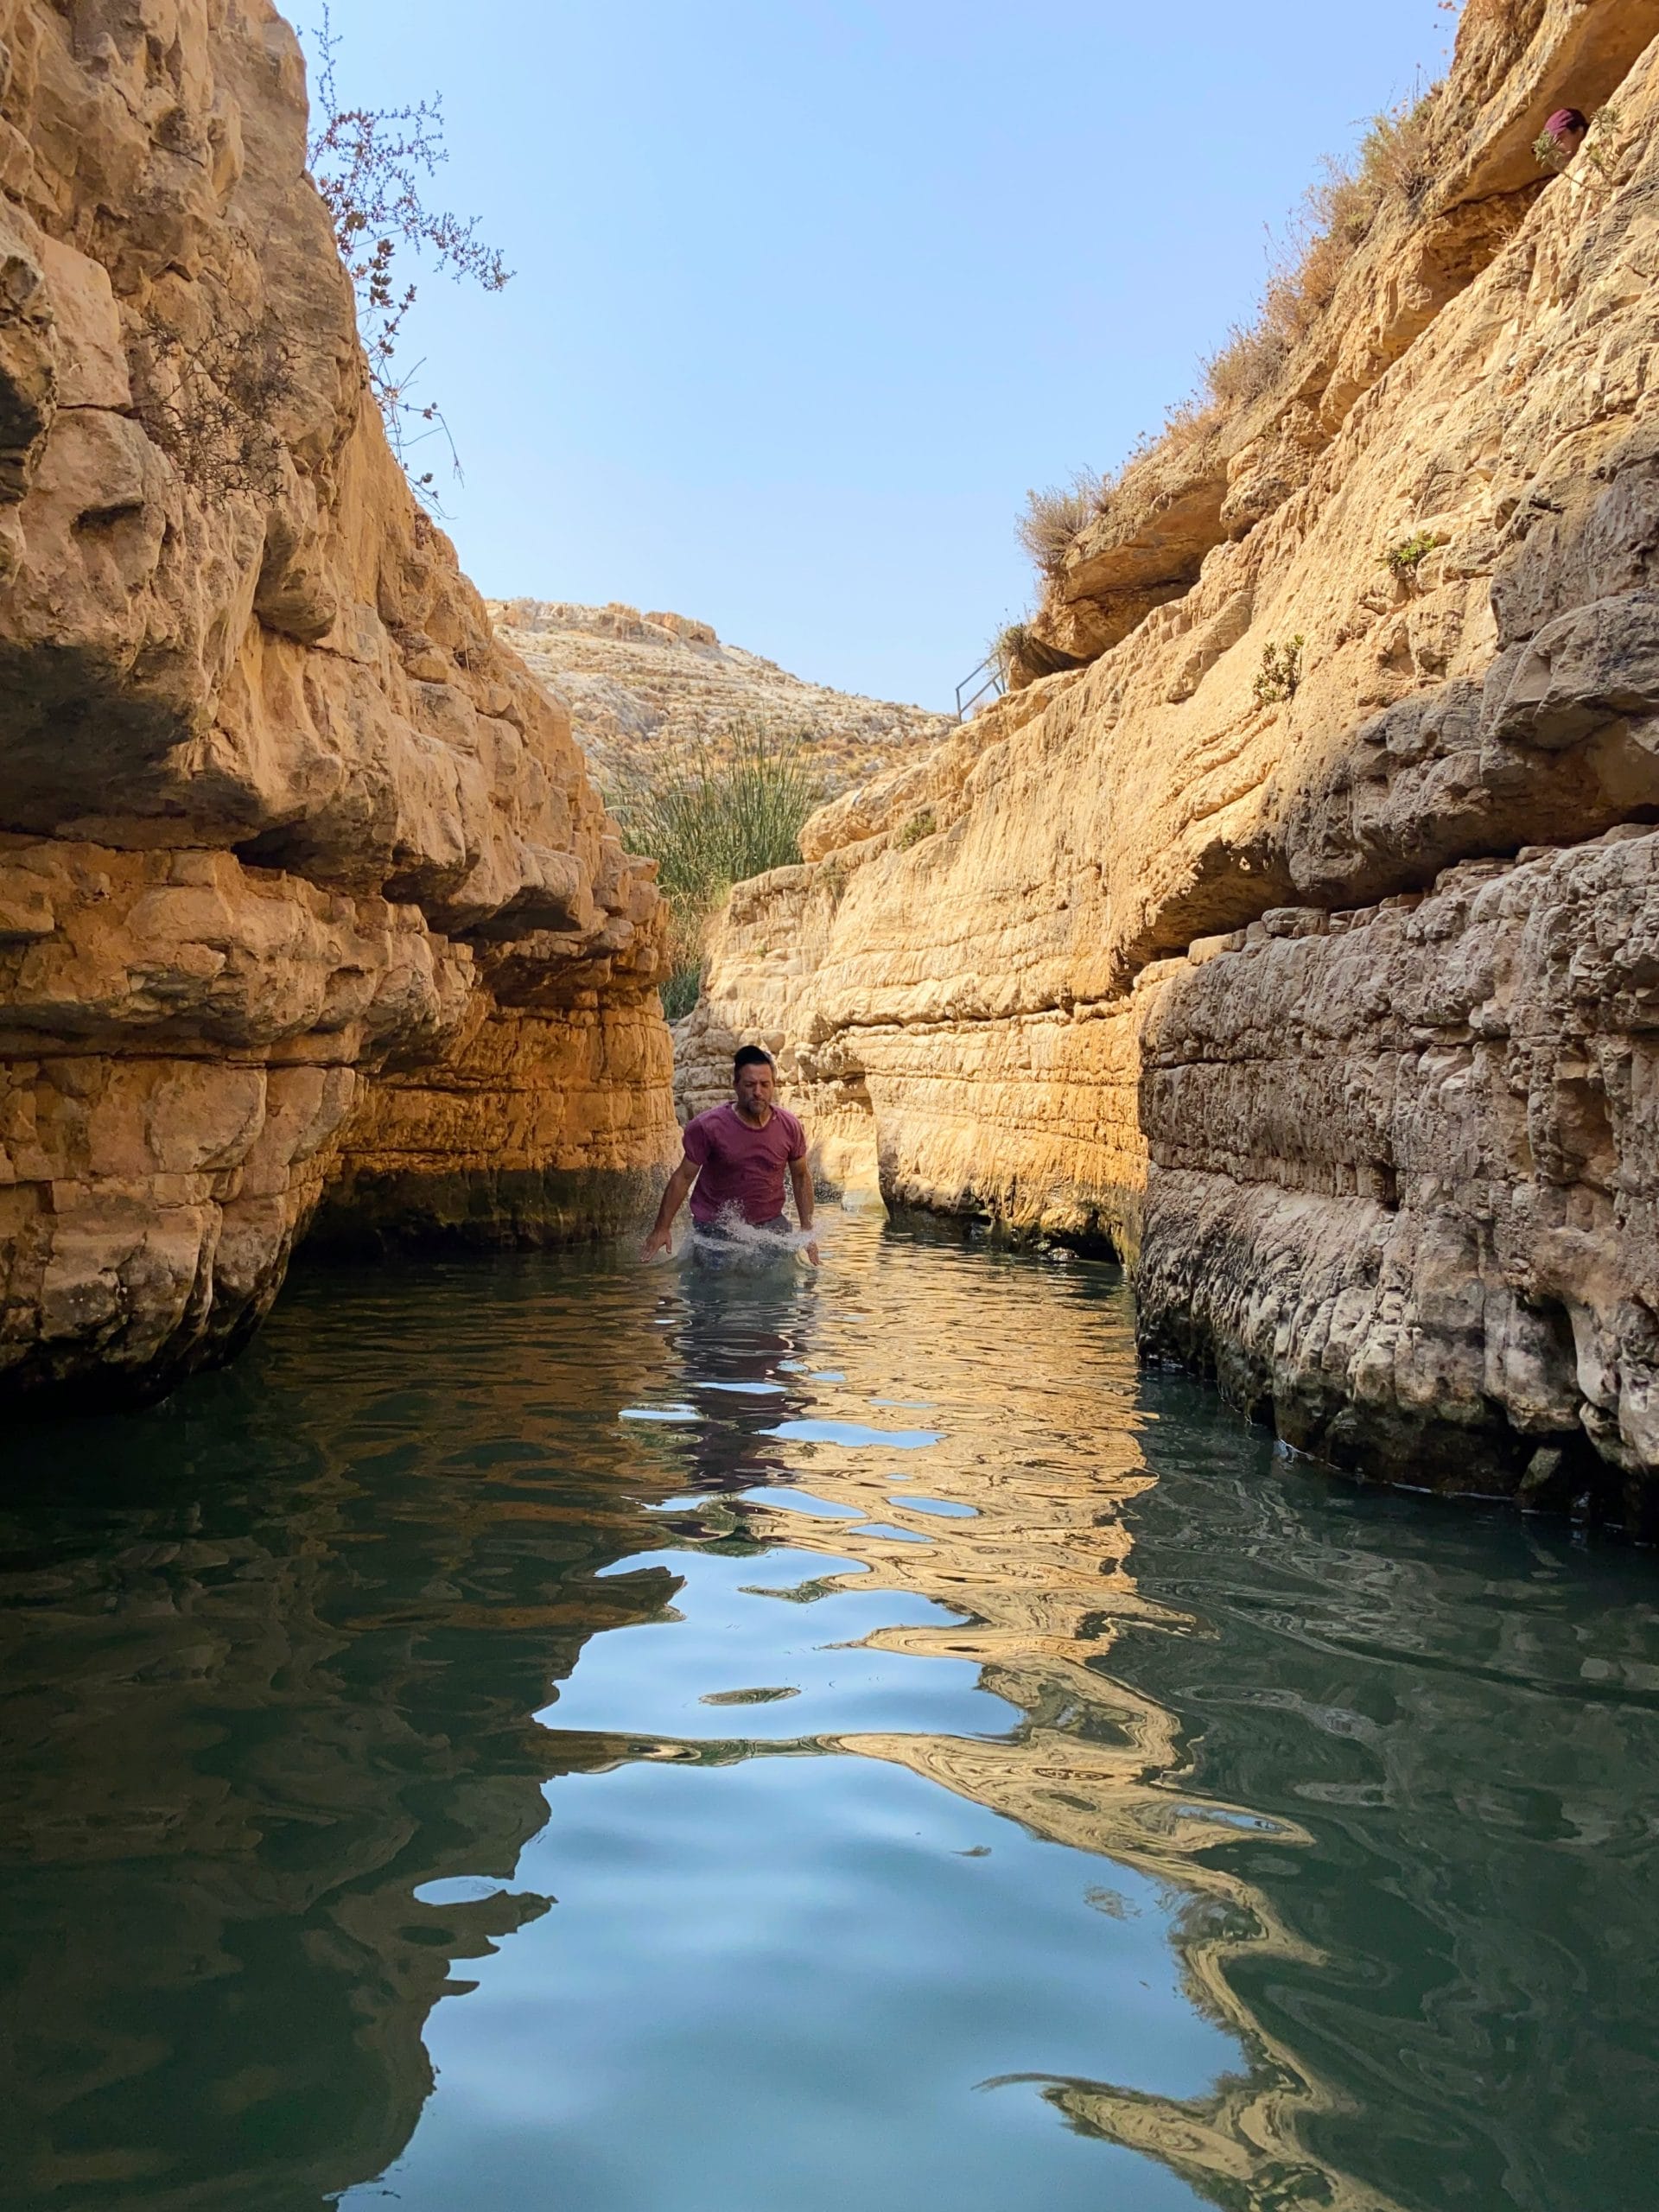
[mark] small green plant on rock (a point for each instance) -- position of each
(1280, 672)
(1405, 559)
(918, 826)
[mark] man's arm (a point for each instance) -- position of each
(661, 1238)
(801, 1176)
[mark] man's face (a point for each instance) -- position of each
(754, 1085)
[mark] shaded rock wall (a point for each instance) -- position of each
(1270, 990)
(301, 875)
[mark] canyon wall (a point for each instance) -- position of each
(303, 883)
(1330, 1004)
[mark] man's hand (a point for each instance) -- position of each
(661, 1238)
(801, 1176)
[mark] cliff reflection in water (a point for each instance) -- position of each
(1039, 1569)
(318, 1634)
(271, 1656)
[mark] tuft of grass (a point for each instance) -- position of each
(1008, 646)
(1392, 165)
(918, 826)
(1405, 559)
(732, 808)
(1246, 364)
(1052, 518)
(1280, 671)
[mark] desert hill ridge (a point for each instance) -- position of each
(639, 688)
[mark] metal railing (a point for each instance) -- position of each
(988, 677)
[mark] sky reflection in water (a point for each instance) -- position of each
(530, 1670)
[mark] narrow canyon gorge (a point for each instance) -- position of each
(1296, 937)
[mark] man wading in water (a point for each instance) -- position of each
(735, 1155)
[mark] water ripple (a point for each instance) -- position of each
(506, 1738)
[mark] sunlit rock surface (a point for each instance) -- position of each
(1271, 993)
(302, 879)
(647, 691)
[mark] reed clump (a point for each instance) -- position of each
(730, 805)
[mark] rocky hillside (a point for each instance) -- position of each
(303, 885)
(640, 689)
(1301, 944)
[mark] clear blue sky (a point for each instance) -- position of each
(808, 293)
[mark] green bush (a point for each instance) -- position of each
(733, 807)
(1280, 673)
(1404, 559)
(918, 826)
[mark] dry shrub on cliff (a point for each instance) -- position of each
(207, 399)
(731, 807)
(208, 385)
(1392, 166)
(1052, 518)
(368, 164)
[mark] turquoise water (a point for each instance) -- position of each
(556, 1736)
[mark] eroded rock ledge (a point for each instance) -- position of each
(302, 883)
(1332, 1012)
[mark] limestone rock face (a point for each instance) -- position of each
(301, 878)
(1263, 981)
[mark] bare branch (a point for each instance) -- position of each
(368, 164)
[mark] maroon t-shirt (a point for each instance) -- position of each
(742, 1165)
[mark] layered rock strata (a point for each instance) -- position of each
(1258, 977)
(302, 879)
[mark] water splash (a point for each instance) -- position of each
(731, 1243)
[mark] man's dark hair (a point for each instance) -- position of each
(751, 1055)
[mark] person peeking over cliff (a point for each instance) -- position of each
(1566, 130)
(735, 1157)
